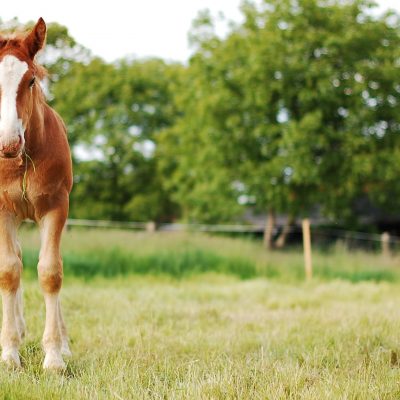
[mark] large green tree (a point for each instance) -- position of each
(295, 108)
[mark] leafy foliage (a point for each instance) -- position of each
(114, 114)
(298, 104)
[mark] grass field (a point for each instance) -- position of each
(107, 253)
(194, 329)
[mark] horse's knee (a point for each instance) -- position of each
(10, 272)
(50, 274)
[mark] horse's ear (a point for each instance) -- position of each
(36, 38)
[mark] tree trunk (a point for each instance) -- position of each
(281, 241)
(269, 230)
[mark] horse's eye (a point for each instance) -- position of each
(32, 82)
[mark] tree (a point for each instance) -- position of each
(194, 170)
(114, 113)
(295, 106)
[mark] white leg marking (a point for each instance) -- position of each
(52, 334)
(10, 338)
(19, 313)
(10, 269)
(65, 350)
(50, 276)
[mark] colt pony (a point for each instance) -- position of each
(35, 182)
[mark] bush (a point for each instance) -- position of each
(114, 262)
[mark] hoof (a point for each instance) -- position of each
(11, 358)
(53, 361)
(65, 350)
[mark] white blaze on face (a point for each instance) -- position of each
(11, 72)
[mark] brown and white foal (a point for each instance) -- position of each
(35, 182)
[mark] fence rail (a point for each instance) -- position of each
(228, 228)
(389, 245)
(90, 223)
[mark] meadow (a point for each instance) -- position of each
(190, 316)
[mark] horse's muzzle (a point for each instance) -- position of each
(12, 149)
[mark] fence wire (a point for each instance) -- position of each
(321, 236)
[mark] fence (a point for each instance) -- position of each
(171, 227)
(319, 235)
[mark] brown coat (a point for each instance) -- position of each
(35, 182)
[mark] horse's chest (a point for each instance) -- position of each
(29, 190)
(17, 192)
(13, 198)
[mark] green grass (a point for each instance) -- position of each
(116, 262)
(179, 316)
(215, 337)
(89, 253)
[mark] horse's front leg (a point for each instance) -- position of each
(10, 274)
(50, 271)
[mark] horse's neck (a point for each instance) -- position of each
(35, 132)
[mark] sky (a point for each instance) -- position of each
(118, 28)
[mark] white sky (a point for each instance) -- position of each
(116, 28)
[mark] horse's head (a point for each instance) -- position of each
(17, 80)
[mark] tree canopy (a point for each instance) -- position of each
(298, 104)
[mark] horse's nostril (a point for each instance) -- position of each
(11, 148)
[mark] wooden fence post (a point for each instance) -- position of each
(151, 227)
(307, 247)
(385, 244)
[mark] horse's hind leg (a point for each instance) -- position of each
(10, 273)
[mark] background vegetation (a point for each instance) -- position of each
(295, 109)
